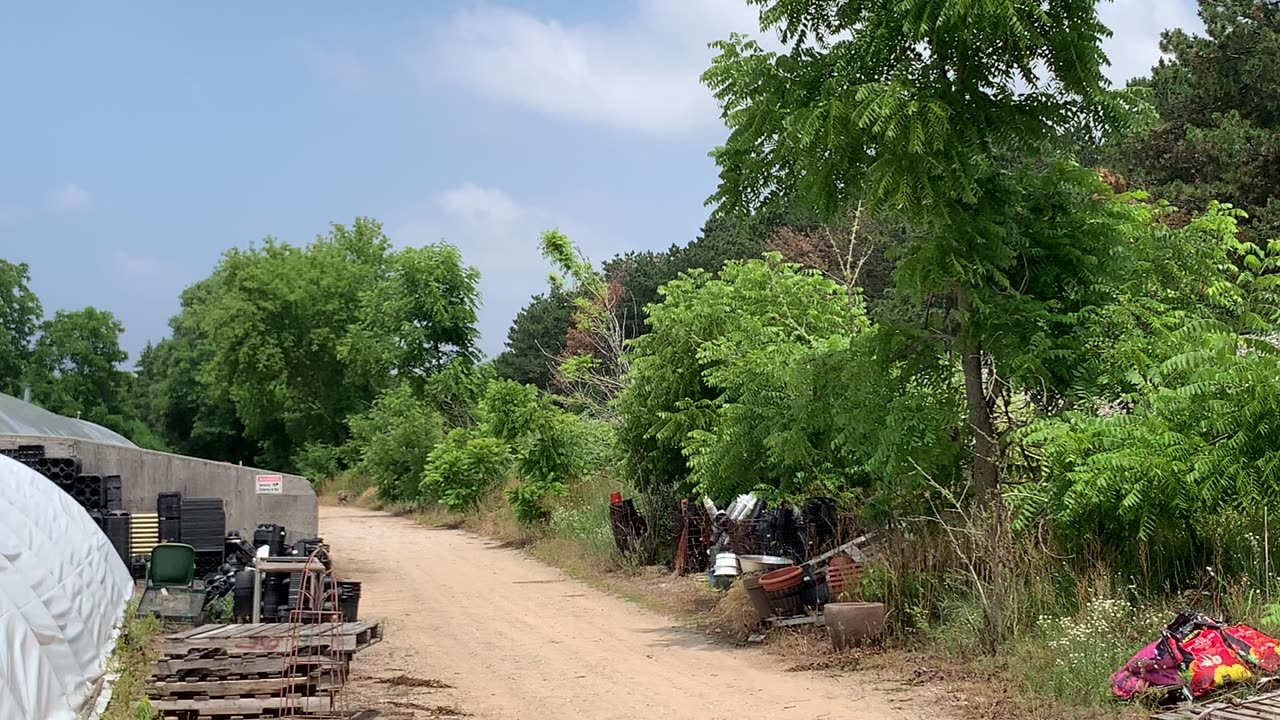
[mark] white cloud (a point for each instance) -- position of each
(497, 234)
(641, 74)
(480, 206)
(1136, 26)
(70, 197)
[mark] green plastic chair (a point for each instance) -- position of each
(172, 565)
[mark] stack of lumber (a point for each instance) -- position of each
(256, 670)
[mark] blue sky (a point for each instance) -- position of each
(140, 140)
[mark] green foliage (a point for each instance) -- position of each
(321, 462)
(393, 439)
(1218, 135)
(1179, 425)
(535, 340)
(550, 456)
(511, 410)
(1072, 658)
(76, 367)
(282, 345)
(417, 318)
(711, 384)
(464, 468)
(20, 314)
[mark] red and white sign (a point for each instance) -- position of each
(270, 484)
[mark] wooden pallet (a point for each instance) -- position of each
(219, 688)
(273, 639)
(214, 666)
(1261, 707)
(223, 707)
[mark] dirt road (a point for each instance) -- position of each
(517, 640)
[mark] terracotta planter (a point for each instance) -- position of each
(854, 624)
(783, 579)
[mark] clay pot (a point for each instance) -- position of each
(759, 597)
(784, 579)
(854, 624)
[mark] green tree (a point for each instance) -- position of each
(20, 315)
(535, 341)
(77, 362)
(1218, 132)
(710, 398)
(906, 107)
(417, 317)
(274, 321)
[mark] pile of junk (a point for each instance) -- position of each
(1195, 657)
(261, 579)
(789, 560)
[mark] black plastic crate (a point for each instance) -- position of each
(169, 505)
(112, 492)
(58, 469)
(116, 526)
(207, 562)
(170, 530)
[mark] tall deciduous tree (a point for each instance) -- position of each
(77, 358)
(1218, 132)
(20, 314)
(930, 108)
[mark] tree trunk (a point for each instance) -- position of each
(985, 476)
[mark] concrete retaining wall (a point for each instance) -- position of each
(146, 473)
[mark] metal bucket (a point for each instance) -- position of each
(727, 565)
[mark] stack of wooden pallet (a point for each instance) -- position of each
(256, 671)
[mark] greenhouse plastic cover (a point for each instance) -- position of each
(63, 591)
(23, 418)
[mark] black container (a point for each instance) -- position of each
(57, 469)
(242, 595)
(138, 567)
(88, 491)
(170, 530)
(204, 523)
(112, 492)
(272, 536)
(349, 600)
(208, 563)
(169, 505)
(116, 526)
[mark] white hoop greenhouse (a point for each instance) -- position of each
(63, 591)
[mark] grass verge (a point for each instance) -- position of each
(136, 648)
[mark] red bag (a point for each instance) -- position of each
(1214, 664)
(1257, 648)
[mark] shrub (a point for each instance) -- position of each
(321, 462)
(551, 455)
(393, 439)
(463, 468)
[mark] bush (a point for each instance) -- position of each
(463, 468)
(393, 439)
(321, 462)
(551, 455)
